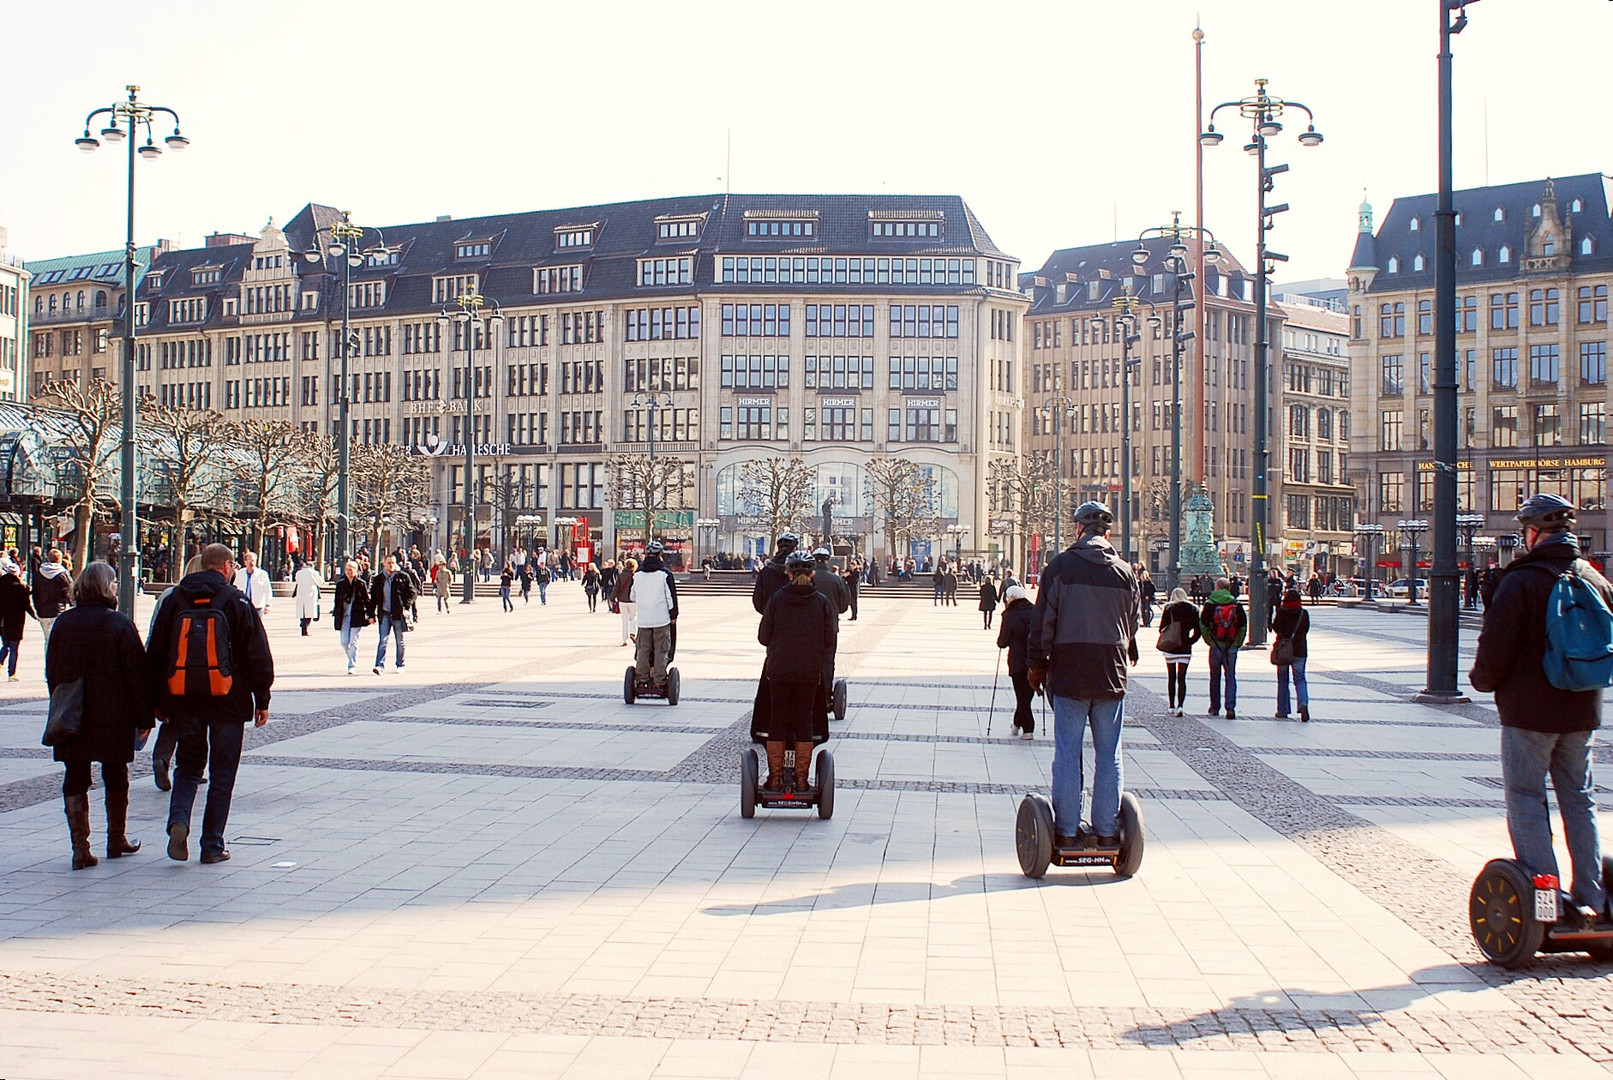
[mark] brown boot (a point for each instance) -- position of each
(78, 825)
(775, 767)
(803, 766)
(117, 818)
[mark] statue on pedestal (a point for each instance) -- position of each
(1199, 552)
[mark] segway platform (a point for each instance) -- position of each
(820, 794)
(1038, 849)
(634, 687)
(1514, 915)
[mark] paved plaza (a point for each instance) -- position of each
(489, 865)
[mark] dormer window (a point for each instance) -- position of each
(1500, 214)
(154, 279)
(906, 230)
(575, 236)
(1416, 224)
(1092, 289)
(444, 289)
(675, 271)
(381, 257)
(190, 310)
(365, 294)
(1458, 219)
(1576, 206)
(780, 224)
(1587, 246)
(1548, 246)
(557, 279)
(269, 262)
(1504, 255)
(473, 249)
(1417, 262)
(206, 275)
(1477, 258)
(679, 228)
(1535, 210)
(1394, 264)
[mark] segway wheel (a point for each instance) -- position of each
(1033, 835)
(673, 686)
(1501, 911)
(825, 788)
(839, 707)
(1603, 950)
(628, 690)
(748, 776)
(1131, 836)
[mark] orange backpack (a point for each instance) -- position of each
(199, 659)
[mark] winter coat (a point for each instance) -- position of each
(590, 581)
(355, 591)
(832, 587)
(53, 590)
(403, 595)
(252, 663)
(655, 595)
(623, 592)
(1086, 622)
(607, 580)
(442, 581)
(307, 594)
(1220, 598)
(101, 646)
(16, 604)
(1181, 613)
(1512, 646)
(799, 627)
(1293, 623)
(1014, 634)
(988, 596)
(769, 579)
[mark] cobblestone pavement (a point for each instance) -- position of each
(488, 864)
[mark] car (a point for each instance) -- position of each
(1398, 588)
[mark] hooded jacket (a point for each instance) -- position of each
(1086, 622)
(799, 628)
(53, 588)
(252, 664)
(1512, 646)
(1220, 598)
(655, 594)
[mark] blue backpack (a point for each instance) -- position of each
(1579, 634)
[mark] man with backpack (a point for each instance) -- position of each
(1549, 607)
(210, 669)
(1223, 624)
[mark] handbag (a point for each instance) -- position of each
(66, 719)
(1282, 651)
(1172, 639)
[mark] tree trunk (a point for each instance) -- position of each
(176, 558)
(81, 537)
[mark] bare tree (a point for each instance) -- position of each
(267, 470)
(904, 495)
(775, 494)
(1021, 492)
(91, 417)
(640, 482)
(184, 444)
(316, 494)
(388, 484)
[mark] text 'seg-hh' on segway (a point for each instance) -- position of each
(1038, 848)
(1515, 915)
(820, 792)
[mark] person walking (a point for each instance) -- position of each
(523, 573)
(622, 597)
(16, 605)
(95, 643)
(952, 584)
(544, 577)
(1178, 632)
(853, 579)
(506, 582)
(207, 618)
(1291, 626)
(1545, 730)
(1084, 635)
(1223, 624)
(53, 592)
(306, 593)
(252, 581)
(1019, 619)
(1314, 588)
(350, 610)
(1146, 593)
(988, 601)
(442, 582)
(392, 601)
(607, 579)
(590, 586)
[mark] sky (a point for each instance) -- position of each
(1060, 124)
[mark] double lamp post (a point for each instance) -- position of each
(466, 314)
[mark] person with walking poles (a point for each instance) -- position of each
(392, 601)
(1288, 651)
(988, 601)
(16, 605)
(209, 669)
(350, 610)
(1085, 633)
(252, 581)
(1223, 624)
(96, 646)
(308, 584)
(1178, 632)
(1014, 634)
(53, 591)
(1550, 706)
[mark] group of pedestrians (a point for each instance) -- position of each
(44, 601)
(1222, 625)
(388, 599)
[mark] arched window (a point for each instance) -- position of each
(1587, 246)
(1416, 223)
(80, 303)
(1477, 258)
(1504, 255)
(39, 305)
(1394, 264)
(1500, 214)
(1417, 261)
(100, 298)
(53, 303)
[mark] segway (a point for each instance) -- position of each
(1515, 915)
(634, 687)
(837, 700)
(821, 793)
(1038, 843)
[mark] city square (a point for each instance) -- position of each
(489, 865)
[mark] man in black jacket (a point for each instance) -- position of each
(210, 727)
(799, 628)
(1084, 634)
(392, 603)
(770, 579)
(53, 587)
(1543, 729)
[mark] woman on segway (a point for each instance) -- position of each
(799, 630)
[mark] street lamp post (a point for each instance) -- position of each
(1176, 265)
(1126, 327)
(654, 401)
(706, 529)
(1063, 409)
(468, 318)
(346, 240)
(957, 532)
(1412, 530)
(1264, 111)
(1468, 525)
(123, 122)
(1371, 535)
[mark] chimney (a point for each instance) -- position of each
(445, 217)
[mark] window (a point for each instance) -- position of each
(1299, 422)
(1504, 426)
(366, 294)
(473, 249)
(1324, 424)
(842, 270)
(1587, 246)
(1391, 320)
(444, 289)
(1467, 314)
(1417, 261)
(1414, 225)
(659, 373)
(1299, 465)
(1543, 307)
(663, 324)
(673, 271)
(923, 373)
(1503, 254)
(905, 230)
(1593, 362)
(1504, 311)
(840, 320)
(574, 236)
(756, 320)
(1477, 258)
(206, 275)
(755, 422)
(1543, 364)
(840, 372)
(1504, 368)
(1392, 493)
(582, 327)
(193, 309)
(755, 372)
(1391, 431)
(557, 279)
(1422, 373)
(1548, 425)
(924, 321)
(1593, 303)
(680, 228)
(1394, 264)
(758, 229)
(1592, 422)
(1500, 214)
(1394, 375)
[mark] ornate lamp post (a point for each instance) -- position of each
(706, 528)
(1175, 263)
(1468, 525)
(468, 317)
(956, 532)
(123, 122)
(1264, 112)
(1412, 530)
(1370, 535)
(1126, 321)
(346, 243)
(1062, 409)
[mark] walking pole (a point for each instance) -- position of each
(994, 679)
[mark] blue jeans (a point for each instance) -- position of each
(1526, 758)
(543, 592)
(218, 746)
(1302, 690)
(1070, 719)
(504, 595)
(1223, 660)
(350, 644)
(8, 652)
(390, 627)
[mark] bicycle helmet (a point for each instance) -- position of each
(1547, 513)
(788, 542)
(1093, 517)
(798, 561)
(654, 547)
(821, 553)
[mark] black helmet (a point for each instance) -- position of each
(798, 560)
(821, 553)
(654, 547)
(788, 542)
(1093, 516)
(1548, 513)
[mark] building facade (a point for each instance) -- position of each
(1533, 267)
(14, 287)
(720, 329)
(1316, 514)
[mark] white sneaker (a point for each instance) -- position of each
(1013, 732)
(1027, 736)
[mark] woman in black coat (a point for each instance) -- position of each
(988, 600)
(351, 610)
(94, 642)
(1019, 618)
(16, 604)
(1178, 633)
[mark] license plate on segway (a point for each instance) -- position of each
(1546, 910)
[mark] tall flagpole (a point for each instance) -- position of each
(1198, 253)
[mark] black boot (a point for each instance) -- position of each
(118, 843)
(78, 826)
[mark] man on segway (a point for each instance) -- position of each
(656, 597)
(1545, 729)
(832, 588)
(770, 579)
(1084, 633)
(798, 628)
